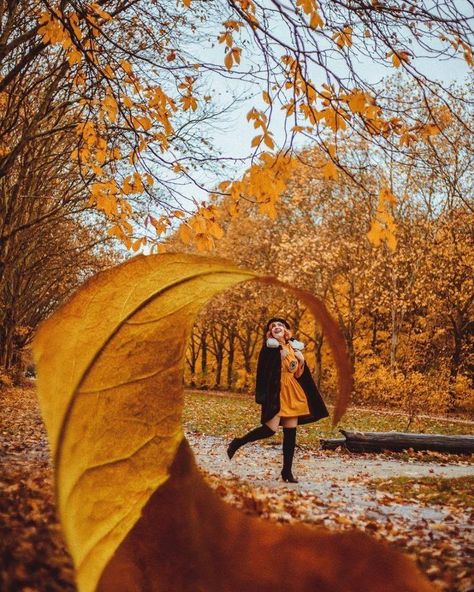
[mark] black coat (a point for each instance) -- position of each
(267, 390)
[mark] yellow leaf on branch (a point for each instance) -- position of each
(329, 170)
(127, 101)
(126, 66)
(398, 57)
(343, 37)
(316, 20)
(108, 72)
(228, 61)
(203, 242)
(100, 11)
(185, 233)
(310, 8)
(215, 230)
(109, 105)
(160, 225)
(307, 5)
(226, 38)
(189, 102)
(357, 101)
(256, 141)
(74, 56)
(268, 208)
(232, 56)
(268, 140)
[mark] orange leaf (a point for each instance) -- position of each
(329, 170)
(185, 234)
(268, 140)
(189, 102)
(316, 21)
(228, 61)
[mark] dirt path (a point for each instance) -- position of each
(336, 480)
(263, 462)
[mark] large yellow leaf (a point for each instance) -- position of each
(109, 381)
(110, 369)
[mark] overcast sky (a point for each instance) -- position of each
(234, 134)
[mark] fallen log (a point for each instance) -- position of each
(331, 443)
(398, 441)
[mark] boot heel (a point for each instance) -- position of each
(288, 477)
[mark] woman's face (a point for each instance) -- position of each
(277, 329)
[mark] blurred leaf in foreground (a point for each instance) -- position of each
(136, 513)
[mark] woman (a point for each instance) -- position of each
(286, 391)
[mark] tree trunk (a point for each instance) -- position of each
(192, 369)
(230, 359)
(350, 346)
(6, 344)
(318, 346)
(204, 352)
(374, 333)
(454, 364)
(247, 345)
(191, 359)
(219, 359)
(394, 340)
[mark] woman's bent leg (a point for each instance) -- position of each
(273, 423)
(263, 431)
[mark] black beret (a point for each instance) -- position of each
(280, 320)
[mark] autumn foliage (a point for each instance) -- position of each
(403, 299)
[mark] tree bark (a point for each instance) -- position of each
(374, 333)
(318, 347)
(230, 359)
(399, 441)
(219, 360)
(204, 352)
(454, 363)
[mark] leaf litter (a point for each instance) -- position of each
(428, 517)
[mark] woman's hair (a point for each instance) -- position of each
(279, 320)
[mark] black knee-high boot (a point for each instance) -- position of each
(289, 442)
(262, 431)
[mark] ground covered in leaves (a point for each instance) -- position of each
(421, 503)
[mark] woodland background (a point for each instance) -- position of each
(406, 314)
(106, 121)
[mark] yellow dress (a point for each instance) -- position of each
(293, 401)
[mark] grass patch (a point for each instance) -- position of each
(231, 415)
(431, 490)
